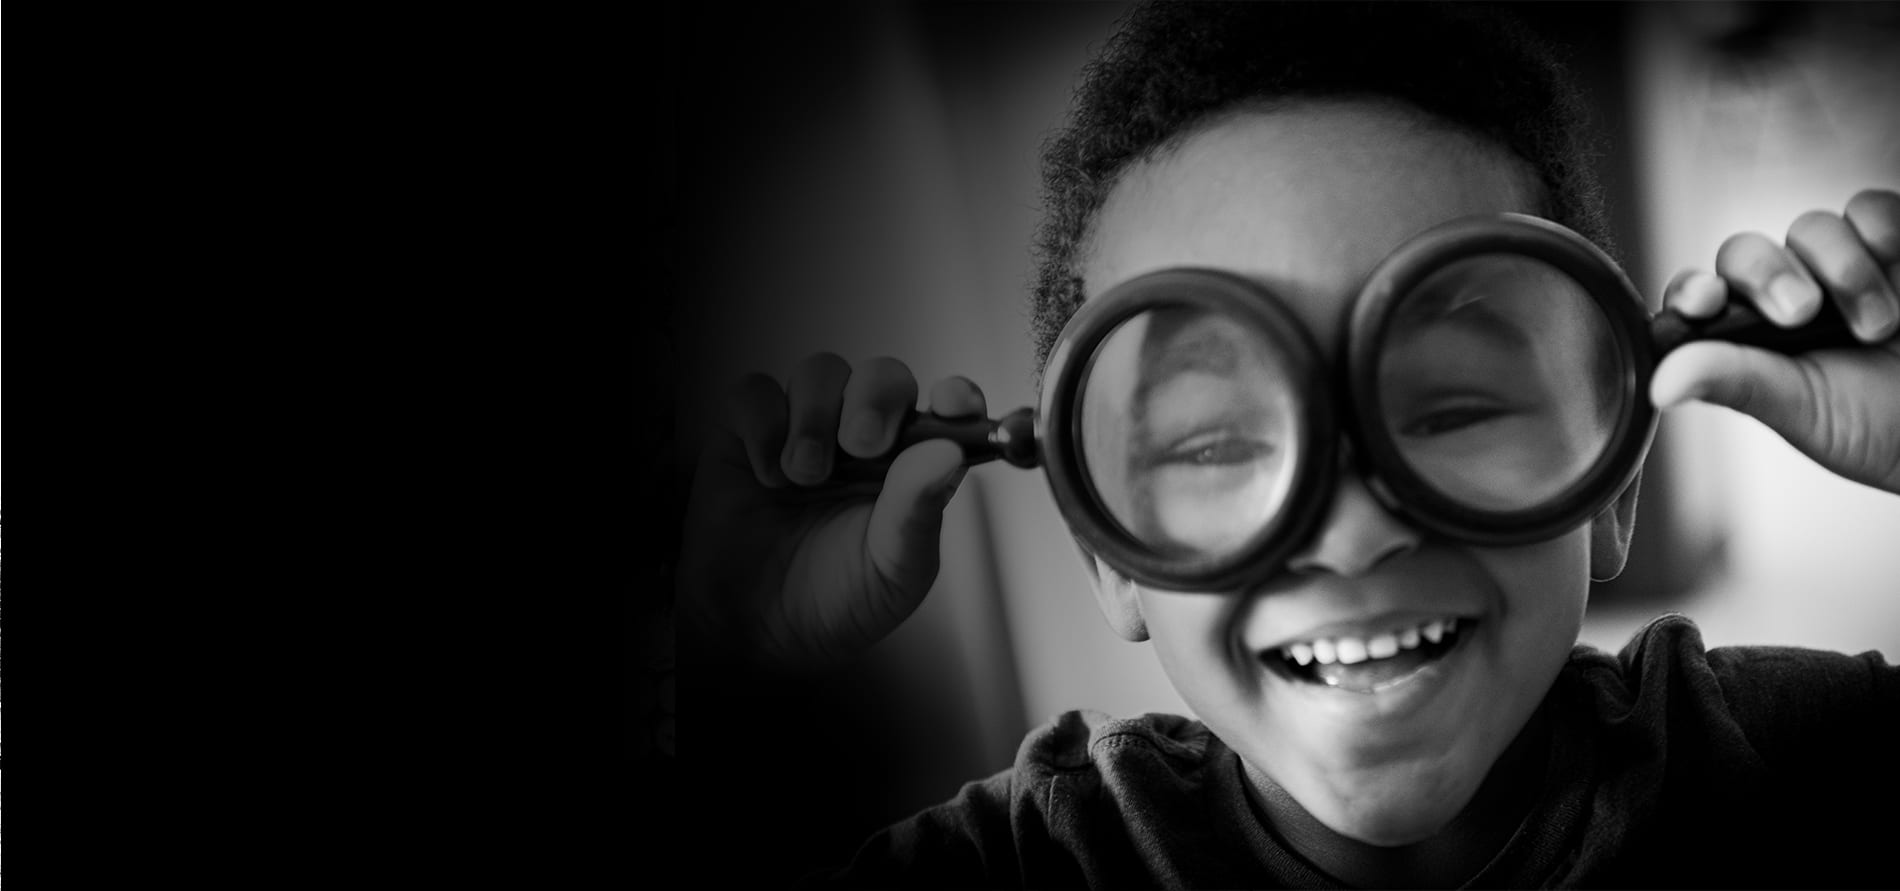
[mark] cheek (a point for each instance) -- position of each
(1190, 634)
(1545, 587)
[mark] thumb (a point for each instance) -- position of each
(902, 538)
(1771, 388)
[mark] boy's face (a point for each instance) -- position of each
(1305, 199)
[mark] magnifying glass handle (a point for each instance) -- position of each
(1741, 323)
(1011, 438)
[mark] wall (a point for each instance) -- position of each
(1745, 115)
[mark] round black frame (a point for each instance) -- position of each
(1058, 426)
(1404, 492)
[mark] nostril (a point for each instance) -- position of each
(1349, 561)
(1357, 534)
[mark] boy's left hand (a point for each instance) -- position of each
(1840, 407)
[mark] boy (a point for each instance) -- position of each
(1295, 148)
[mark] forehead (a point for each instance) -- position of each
(1302, 198)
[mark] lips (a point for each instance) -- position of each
(1366, 662)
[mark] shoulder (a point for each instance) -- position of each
(1670, 651)
(1058, 814)
(1772, 695)
(1734, 764)
(1085, 765)
(1085, 740)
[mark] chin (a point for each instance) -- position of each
(1403, 814)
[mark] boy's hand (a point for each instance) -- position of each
(1840, 407)
(782, 568)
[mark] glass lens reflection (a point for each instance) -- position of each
(1188, 431)
(1500, 382)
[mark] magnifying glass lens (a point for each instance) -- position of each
(1188, 431)
(1500, 382)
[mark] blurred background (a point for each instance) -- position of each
(861, 179)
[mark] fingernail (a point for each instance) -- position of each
(955, 478)
(866, 430)
(1706, 288)
(1877, 316)
(1792, 292)
(946, 488)
(809, 458)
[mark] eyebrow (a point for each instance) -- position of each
(1462, 309)
(1211, 351)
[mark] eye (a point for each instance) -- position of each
(1224, 451)
(1451, 420)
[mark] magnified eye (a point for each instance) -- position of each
(1498, 382)
(1218, 451)
(1452, 420)
(1190, 430)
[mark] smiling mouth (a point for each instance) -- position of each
(1368, 664)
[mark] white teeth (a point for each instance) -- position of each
(1351, 650)
(1382, 646)
(1323, 651)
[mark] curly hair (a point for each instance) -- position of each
(1173, 64)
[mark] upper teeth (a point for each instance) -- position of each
(1349, 650)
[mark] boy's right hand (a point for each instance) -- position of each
(782, 568)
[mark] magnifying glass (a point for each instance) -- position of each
(1492, 387)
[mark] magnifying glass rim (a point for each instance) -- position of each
(1059, 426)
(1403, 490)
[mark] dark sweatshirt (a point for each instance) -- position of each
(1670, 766)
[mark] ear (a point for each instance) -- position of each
(1116, 595)
(1610, 534)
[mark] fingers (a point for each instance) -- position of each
(1769, 276)
(1696, 294)
(902, 537)
(813, 395)
(1875, 216)
(957, 397)
(876, 398)
(792, 434)
(756, 413)
(1851, 259)
(1837, 256)
(1748, 380)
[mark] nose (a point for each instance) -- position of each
(1357, 534)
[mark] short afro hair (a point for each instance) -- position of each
(1173, 64)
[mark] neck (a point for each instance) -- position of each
(1446, 860)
